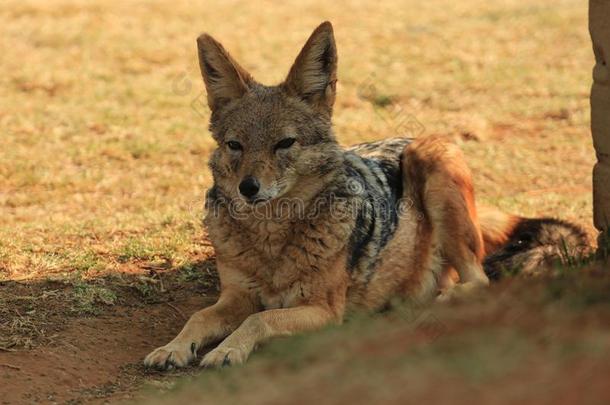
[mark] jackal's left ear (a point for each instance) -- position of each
(313, 76)
(224, 79)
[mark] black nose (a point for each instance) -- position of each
(249, 186)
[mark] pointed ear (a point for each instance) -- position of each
(313, 76)
(224, 79)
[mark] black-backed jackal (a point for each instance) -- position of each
(304, 229)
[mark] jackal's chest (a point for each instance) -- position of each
(247, 240)
(285, 298)
(272, 280)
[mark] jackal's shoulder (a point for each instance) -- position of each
(385, 149)
(371, 177)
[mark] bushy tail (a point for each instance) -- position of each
(528, 246)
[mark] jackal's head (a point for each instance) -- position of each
(272, 140)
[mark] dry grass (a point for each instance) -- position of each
(103, 140)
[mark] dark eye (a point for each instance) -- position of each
(285, 143)
(234, 145)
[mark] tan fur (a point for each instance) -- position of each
(437, 178)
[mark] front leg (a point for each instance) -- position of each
(261, 326)
(204, 327)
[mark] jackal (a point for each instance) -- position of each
(305, 230)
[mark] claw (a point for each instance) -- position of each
(194, 348)
(226, 361)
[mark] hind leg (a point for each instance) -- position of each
(439, 182)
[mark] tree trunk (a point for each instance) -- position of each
(599, 27)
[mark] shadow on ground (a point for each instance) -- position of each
(83, 340)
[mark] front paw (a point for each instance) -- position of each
(225, 356)
(171, 355)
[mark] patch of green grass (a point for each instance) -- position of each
(382, 100)
(190, 272)
(88, 297)
(149, 289)
(86, 261)
(136, 249)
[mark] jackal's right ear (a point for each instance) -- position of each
(313, 76)
(224, 79)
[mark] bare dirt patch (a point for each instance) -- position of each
(56, 351)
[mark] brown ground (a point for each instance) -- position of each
(73, 354)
